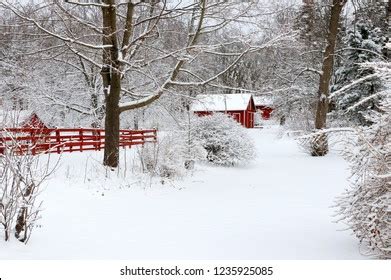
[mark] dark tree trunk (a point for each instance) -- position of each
(320, 143)
(21, 225)
(111, 153)
(111, 77)
(6, 232)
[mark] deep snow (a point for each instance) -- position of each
(276, 208)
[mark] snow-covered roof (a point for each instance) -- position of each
(263, 100)
(221, 102)
(14, 118)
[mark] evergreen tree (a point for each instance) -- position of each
(364, 43)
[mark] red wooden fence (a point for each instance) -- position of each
(37, 140)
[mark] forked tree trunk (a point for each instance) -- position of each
(111, 83)
(320, 143)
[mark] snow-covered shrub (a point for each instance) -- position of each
(366, 206)
(193, 150)
(21, 176)
(312, 143)
(226, 142)
(164, 158)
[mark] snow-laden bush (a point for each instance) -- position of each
(366, 206)
(226, 142)
(164, 158)
(312, 143)
(217, 139)
(21, 178)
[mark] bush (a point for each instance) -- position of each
(225, 141)
(217, 139)
(21, 178)
(164, 158)
(366, 206)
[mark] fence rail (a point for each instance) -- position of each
(59, 140)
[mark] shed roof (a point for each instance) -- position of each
(221, 102)
(16, 118)
(263, 100)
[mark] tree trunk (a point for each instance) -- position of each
(319, 143)
(111, 153)
(21, 225)
(111, 76)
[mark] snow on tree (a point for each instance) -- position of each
(366, 205)
(364, 43)
(225, 140)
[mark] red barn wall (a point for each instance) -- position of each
(265, 112)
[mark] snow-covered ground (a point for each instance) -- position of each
(276, 208)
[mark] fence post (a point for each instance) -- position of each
(95, 138)
(2, 146)
(131, 136)
(33, 141)
(120, 138)
(81, 139)
(99, 140)
(58, 139)
(71, 138)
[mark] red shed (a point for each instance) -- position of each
(33, 121)
(264, 105)
(22, 119)
(240, 106)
